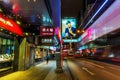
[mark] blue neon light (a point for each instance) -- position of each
(69, 40)
(80, 38)
(83, 47)
(96, 13)
(56, 41)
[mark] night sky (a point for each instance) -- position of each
(71, 8)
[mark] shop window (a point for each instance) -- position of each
(6, 53)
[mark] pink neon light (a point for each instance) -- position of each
(56, 31)
(106, 23)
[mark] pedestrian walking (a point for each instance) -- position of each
(47, 58)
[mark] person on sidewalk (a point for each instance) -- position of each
(47, 58)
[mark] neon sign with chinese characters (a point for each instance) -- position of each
(47, 31)
(10, 25)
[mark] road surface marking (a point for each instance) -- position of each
(115, 68)
(85, 69)
(95, 64)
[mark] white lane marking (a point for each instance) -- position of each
(115, 68)
(85, 69)
(94, 64)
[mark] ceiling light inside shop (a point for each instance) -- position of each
(26, 34)
(1, 29)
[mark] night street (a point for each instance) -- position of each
(59, 39)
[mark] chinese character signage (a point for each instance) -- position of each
(47, 31)
(46, 40)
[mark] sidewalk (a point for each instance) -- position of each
(41, 71)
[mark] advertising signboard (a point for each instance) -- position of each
(47, 31)
(68, 27)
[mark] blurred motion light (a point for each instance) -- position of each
(56, 41)
(1, 10)
(83, 31)
(96, 13)
(69, 40)
(78, 31)
(79, 39)
(15, 8)
(83, 47)
(1, 29)
(18, 22)
(111, 55)
(44, 19)
(50, 20)
(26, 34)
(47, 19)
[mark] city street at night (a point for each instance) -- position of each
(59, 39)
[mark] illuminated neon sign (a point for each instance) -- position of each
(70, 40)
(47, 31)
(96, 13)
(6, 22)
(109, 21)
(10, 25)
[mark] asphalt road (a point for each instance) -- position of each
(85, 69)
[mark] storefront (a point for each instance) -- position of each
(38, 55)
(6, 53)
(9, 30)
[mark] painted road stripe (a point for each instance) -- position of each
(114, 68)
(85, 69)
(95, 64)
